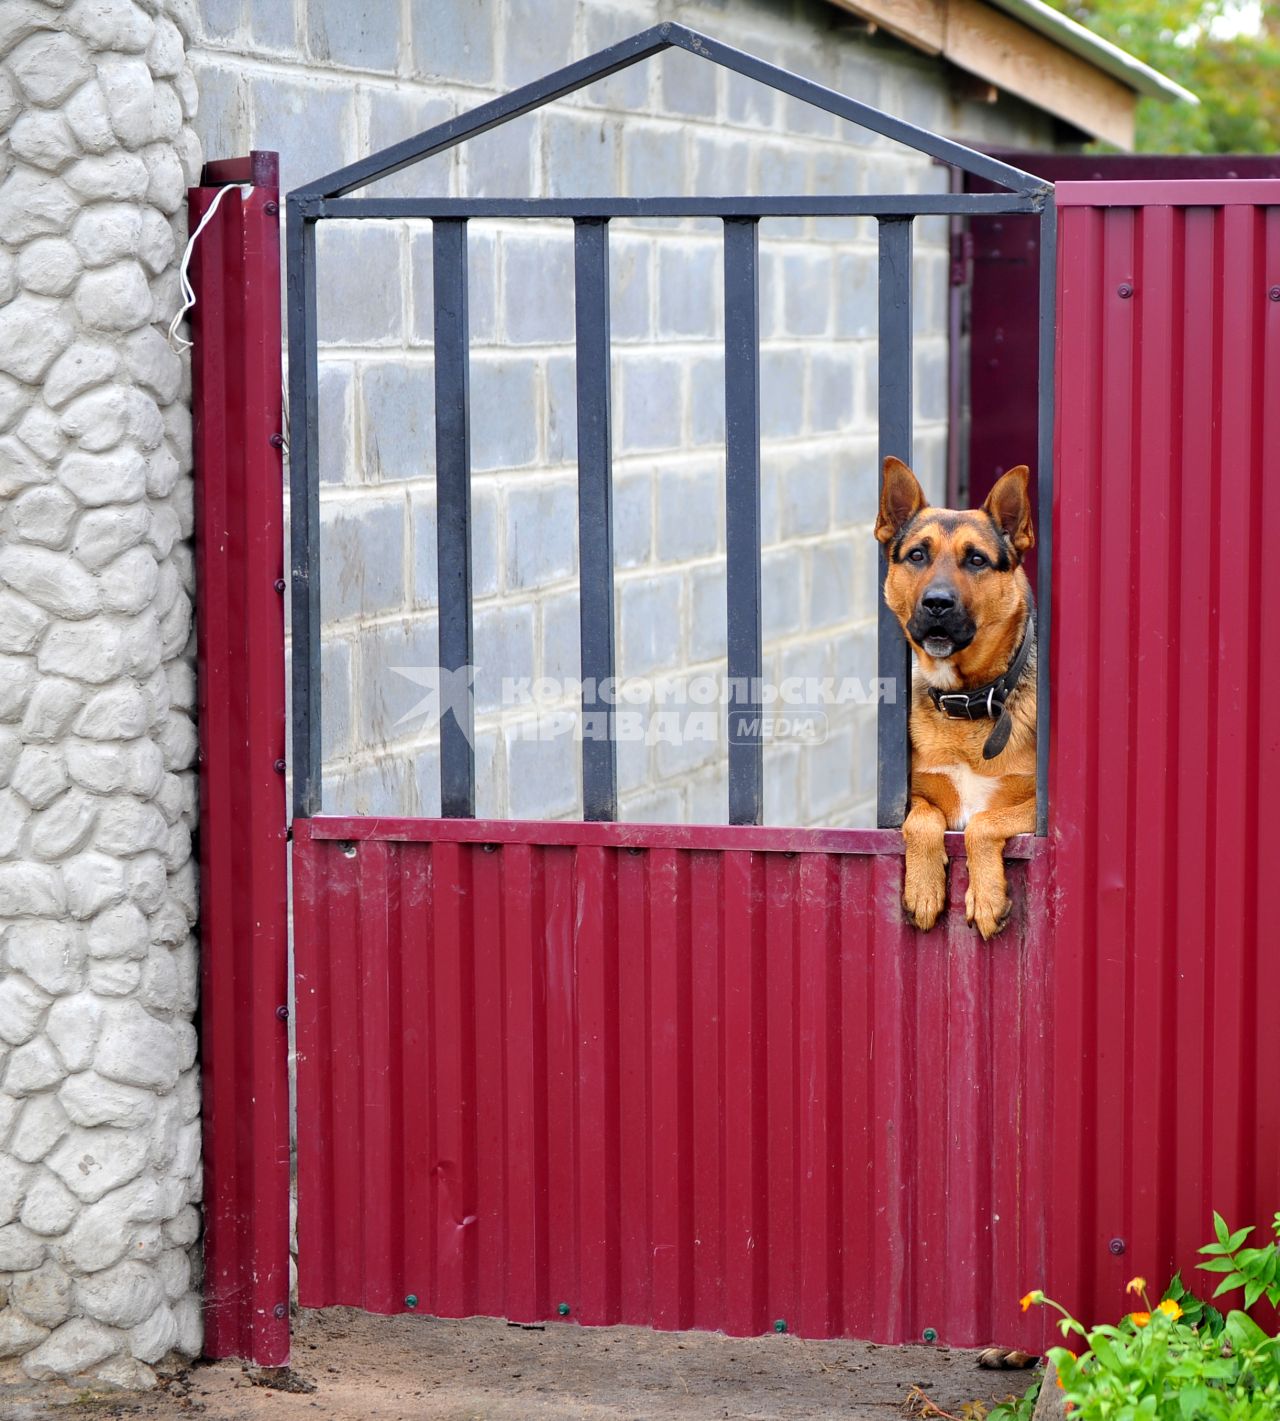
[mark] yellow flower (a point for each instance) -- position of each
(1139, 1319)
(1136, 1285)
(1035, 1296)
(1171, 1309)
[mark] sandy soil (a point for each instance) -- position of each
(349, 1366)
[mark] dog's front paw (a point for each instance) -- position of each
(986, 904)
(924, 892)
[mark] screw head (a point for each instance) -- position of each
(411, 1300)
(563, 1309)
(276, 441)
(280, 1310)
(1116, 1246)
(280, 766)
(780, 1325)
(930, 1334)
(279, 584)
(271, 208)
(1274, 293)
(1124, 290)
(282, 1013)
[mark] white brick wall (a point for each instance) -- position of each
(99, 1092)
(326, 81)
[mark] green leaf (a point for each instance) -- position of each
(1253, 1290)
(1238, 1238)
(1232, 1280)
(1104, 1351)
(1244, 1332)
(1217, 1265)
(1220, 1227)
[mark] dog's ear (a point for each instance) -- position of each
(1009, 504)
(901, 498)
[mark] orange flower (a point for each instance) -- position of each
(1136, 1285)
(1035, 1296)
(1139, 1319)
(1170, 1309)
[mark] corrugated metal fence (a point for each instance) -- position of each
(708, 1078)
(1166, 946)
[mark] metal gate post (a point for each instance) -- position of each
(239, 524)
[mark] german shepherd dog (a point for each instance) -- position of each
(955, 582)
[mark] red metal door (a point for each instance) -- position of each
(707, 1077)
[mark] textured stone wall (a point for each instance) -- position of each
(326, 81)
(99, 1092)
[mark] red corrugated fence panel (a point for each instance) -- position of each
(1165, 761)
(675, 1086)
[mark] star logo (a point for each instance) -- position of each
(443, 691)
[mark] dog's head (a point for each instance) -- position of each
(955, 580)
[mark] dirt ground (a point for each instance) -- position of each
(349, 1366)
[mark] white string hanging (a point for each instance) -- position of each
(177, 342)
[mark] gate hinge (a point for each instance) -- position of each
(961, 256)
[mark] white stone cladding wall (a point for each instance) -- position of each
(326, 81)
(99, 1096)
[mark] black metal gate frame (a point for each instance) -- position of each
(325, 198)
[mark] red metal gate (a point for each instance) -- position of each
(707, 1078)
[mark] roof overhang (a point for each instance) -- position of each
(1027, 48)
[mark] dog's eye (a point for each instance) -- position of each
(978, 560)
(916, 555)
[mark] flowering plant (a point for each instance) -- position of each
(1179, 1359)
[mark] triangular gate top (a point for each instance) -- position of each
(631, 51)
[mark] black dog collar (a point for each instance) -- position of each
(990, 702)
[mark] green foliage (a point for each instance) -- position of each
(1180, 1360)
(1195, 1312)
(1167, 1371)
(1018, 1408)
(1236, 77)
(1253, 1269)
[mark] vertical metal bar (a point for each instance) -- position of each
(1044, 501)
(453, 512)
(304, 513)
(742, 516)
(595, 517)
(239, 561)
(895, 438)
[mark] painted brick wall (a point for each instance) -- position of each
(325, 81)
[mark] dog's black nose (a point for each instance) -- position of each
(938, 601)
